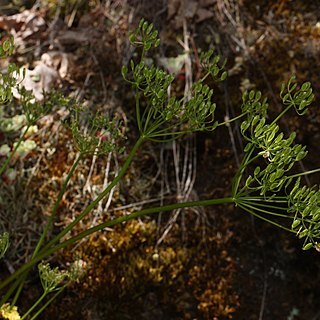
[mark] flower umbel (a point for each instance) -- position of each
(8, 312)
(77, 270)
(51, 279)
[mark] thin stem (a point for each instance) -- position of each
(47, 303)
(264, 205)
(164, 132)
(9, 292)
(35, 305)
(245, 208)
(167, 134)
(147, 120)
(231, 120)
(94, 203)
(46, 251)
(134, 215)
(238, 176)
(19, 272)
(21, 281)
(166, 140)
(304, 173)
(57, 203)
(281, 114)
(49, 223)
(265, 211)
(151, 133)
(138, 116)
(204, 77)
(7, 162)
(253, 159)
(262, 199)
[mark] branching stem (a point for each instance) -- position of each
(45, 252)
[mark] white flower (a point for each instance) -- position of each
(4, 150)
(24, 148)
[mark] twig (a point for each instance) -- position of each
(87, 186)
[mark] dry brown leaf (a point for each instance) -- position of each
(189, 9)
(38, 80)
(180, 10)
(173, 7)
(60, 61)
(23, 24)
(203, 14)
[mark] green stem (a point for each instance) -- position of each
(262, 199)
(247, 209)
(166, 131)
(238, 176)
(134, 215)
(172, 138)
(7, 162)
(152, 134)
(50, 222)
(21, 281)
(232, 120)
(281, 114)
(204, 77)
(304, 173)
(256, 207)
(47, 303)
(138, 116)
(57, 203)
(253, 159)
(178, 133)
(147, 119)
(264, 205)
(9, 292)
(35, 305)
(48, 251)
(94, 203)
